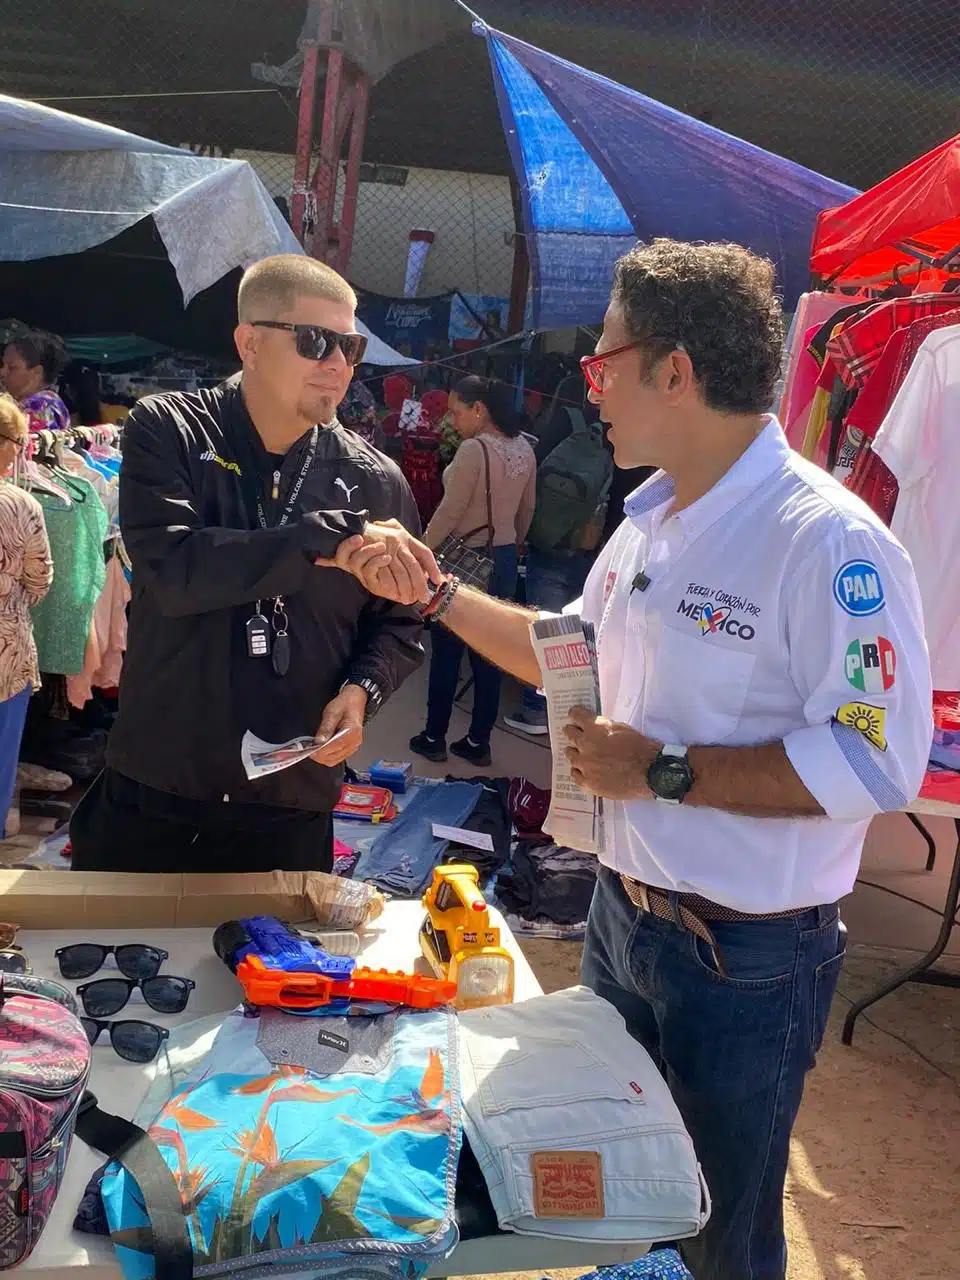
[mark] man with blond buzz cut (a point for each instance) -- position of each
(231, 499)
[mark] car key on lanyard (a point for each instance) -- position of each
(281, 638)
(271, 639)
(258, 635)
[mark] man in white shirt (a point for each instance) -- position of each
(765, 690)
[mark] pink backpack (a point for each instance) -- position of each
(44, 1064)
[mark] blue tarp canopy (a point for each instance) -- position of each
(601, 166)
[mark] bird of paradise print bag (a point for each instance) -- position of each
(326, 1146)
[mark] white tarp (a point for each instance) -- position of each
(378, 351)
(68, 184)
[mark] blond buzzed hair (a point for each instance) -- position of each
(272, 286)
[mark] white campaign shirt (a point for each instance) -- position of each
(919, 441)
(779, 608)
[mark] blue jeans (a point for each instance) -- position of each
(402, 858)
(447, 651)
(13, 716)
(553, 580)
(734, 1051)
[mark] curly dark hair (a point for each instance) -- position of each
(37, 347)
(718, 302)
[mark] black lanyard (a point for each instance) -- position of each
(291, 502)
(260, 643)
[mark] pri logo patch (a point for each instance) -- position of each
(869, 721)
(857, 588)
(871, 665)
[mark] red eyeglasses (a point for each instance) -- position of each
(592, 366)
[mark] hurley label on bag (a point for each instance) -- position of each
(567, 1184)
(330, 1040)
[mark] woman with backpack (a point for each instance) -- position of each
(488, 501)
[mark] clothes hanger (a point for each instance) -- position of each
(76, 490)
(33, 476)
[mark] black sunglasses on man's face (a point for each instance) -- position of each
(316, 343)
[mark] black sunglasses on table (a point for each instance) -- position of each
(316, 343)
(13, 960)
(107, 996)
(133, 1040)
(134, 959)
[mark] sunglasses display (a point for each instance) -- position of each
(133, 1040)
(134, 960)
(107, 996)
(316, 343)
(13, 961)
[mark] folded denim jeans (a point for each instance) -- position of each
(401, 859)
(563, 1108)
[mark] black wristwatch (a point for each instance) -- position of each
(670, 776)
(374, 695)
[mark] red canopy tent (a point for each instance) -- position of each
(910, 220)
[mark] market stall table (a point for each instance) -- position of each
(922, 970)
(391, 943)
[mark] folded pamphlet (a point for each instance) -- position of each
(566, 649)
(262, 758)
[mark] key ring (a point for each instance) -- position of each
(280, 611)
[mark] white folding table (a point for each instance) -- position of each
(391, 943)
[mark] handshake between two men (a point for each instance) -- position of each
(389, 562)
(607, 758)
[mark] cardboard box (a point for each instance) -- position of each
(100, 900)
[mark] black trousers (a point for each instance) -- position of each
(122, 825)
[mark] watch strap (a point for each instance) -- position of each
(372, 690)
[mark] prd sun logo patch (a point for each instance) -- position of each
(869, 721)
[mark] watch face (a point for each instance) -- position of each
(670, 777)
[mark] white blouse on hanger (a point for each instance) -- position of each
(919, 440)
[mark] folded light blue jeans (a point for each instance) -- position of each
(401, 859)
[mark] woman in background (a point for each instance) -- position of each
(483, 413)
(31, 365)
(26, 571)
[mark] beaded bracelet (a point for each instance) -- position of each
(428, 610)
(453, 586)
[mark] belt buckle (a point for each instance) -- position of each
(644, 897)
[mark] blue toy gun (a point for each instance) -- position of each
(278, 947)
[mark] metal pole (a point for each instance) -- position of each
(520, 281)
(322, 10)
(326, 176)
(348, 215)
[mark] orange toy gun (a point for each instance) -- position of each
(276, 989)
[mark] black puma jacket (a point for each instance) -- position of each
(193, 468)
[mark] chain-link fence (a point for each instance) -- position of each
(853, 90)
